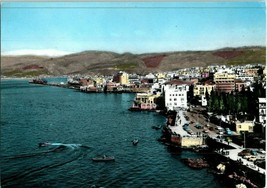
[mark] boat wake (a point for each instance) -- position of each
(35, 165)
(72, 146)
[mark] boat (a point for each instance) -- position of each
(38, 81)
(195, 163)
(44, 144)
(156, 127)
(103, 158)
(135, 142)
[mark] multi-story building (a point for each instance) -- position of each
(239, 84)
(176, 94)
(262, 111)
(122, 78)
(246, 126)
(144, 101)
(225, 81)
(200, 89)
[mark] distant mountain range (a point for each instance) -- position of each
(107, 63)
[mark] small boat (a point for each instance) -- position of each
(156, 127)
(135, 142)
(103, 158)
(38, 81)
(44, 144)
(196, 163)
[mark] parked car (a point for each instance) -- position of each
(244, 152)
(228, 131)
(252, 158)
(198, 126)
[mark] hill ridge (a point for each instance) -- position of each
(107, 62)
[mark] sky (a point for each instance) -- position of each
(135, 27)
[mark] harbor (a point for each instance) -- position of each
(189, 128)
(185, 134)
(76, 119)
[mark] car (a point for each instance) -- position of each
(247, 156)
(198, 126)
(205, 131)
(244, 152)
(252, 158)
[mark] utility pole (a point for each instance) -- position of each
(244, 139)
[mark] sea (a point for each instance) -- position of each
(79, 126)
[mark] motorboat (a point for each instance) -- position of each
(44, 144)
(135, 142)
(103, 158)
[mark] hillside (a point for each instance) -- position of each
(93, 62)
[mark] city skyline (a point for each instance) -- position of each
(62, 28)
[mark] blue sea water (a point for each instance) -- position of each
(82, 126)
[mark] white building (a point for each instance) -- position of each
(176, 95)
(262, 111)
(204, 101)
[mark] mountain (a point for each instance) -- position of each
(103, 62)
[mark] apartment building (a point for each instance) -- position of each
(122, 78)
(262, 111)
(200, 89)
(176, 94)
(225, 81)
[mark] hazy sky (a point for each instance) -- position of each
(131, 27)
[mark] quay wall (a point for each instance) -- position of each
(234, 166)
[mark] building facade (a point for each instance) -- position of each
(246, 126)
(200, 89)
(262, 111)
(176, 96)
(225, 81)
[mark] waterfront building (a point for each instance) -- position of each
(112, 86)
(99, 81)
(144, 101)
(175, 93)
(121, 78)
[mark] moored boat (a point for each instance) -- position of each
(196, 163)
(156, 127)
(38, 81)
